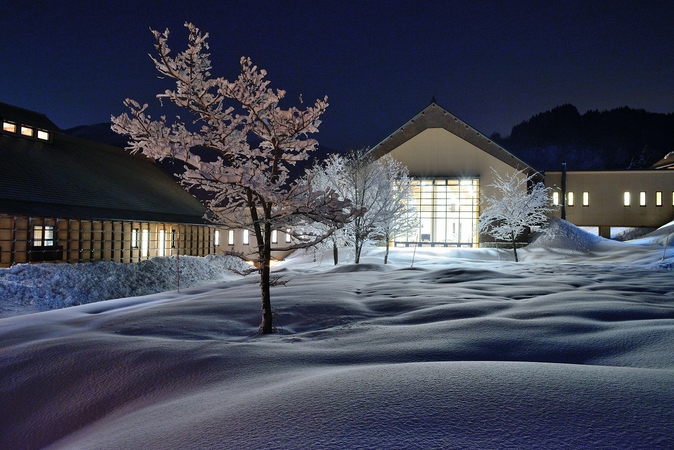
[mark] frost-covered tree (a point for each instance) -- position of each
(397, 213)
(517, 208)
(328, 176)
(252, 146)
(366, 186)
(381, 188)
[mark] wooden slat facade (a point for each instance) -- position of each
(80, 240)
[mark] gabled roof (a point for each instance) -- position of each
(75, 178)
(434, 116)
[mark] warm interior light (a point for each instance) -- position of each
(26, 131)
(9, 127)
(44, 135)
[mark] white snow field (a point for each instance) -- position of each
(572, 348)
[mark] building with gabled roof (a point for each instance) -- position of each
(68, 199)
(452, 165)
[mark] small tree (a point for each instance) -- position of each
(255, 142)
(517, 209)
(397, 214)
(328, 176)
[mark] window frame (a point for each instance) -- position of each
(43, 236)
(135, 237)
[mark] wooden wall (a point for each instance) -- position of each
(79, 240)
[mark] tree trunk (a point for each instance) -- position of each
(514, 247)
(386, 254)
(335, 252)
(263, 236)
(359, 245)
(266, 326)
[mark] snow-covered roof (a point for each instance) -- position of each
(435, 116)
(70, 177)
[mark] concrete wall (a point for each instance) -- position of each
(606, 190)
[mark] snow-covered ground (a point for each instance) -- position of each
(571, 348)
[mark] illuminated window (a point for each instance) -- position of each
(569, 199)
(586, 198)
(43, 235)
(26, 131)
(134, 238)
(246, 237)
(274, 237)
(41, 134)
(658, 198)
(144, 242)
(161, 244)
(627, 200)
(642, 198)
(230, 237)
(9, 127)
(216, 237)
(555, 198)
(288, 236)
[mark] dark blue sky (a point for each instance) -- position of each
(491, 63)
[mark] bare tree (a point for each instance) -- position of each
(397, 213)
(518, 207)
(328, 176)
(365, 185)
(250, 186)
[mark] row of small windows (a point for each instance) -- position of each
(24, 130)
(43, 236)
(246, 237)
(627, 198)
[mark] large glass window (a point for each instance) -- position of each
(448, 211)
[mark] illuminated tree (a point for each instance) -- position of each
(517, 208)
(253, 144)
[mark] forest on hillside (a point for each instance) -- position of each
(621, 138)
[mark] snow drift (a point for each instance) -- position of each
(569, 349)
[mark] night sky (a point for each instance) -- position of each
(491, 63)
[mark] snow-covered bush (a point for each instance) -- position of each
(53, 286)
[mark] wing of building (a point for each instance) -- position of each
(68, 199)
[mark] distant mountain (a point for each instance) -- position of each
(622, 138)
(100, 132)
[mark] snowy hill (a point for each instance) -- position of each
(571, 348)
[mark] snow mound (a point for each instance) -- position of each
(53, 286)
(560, 234)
